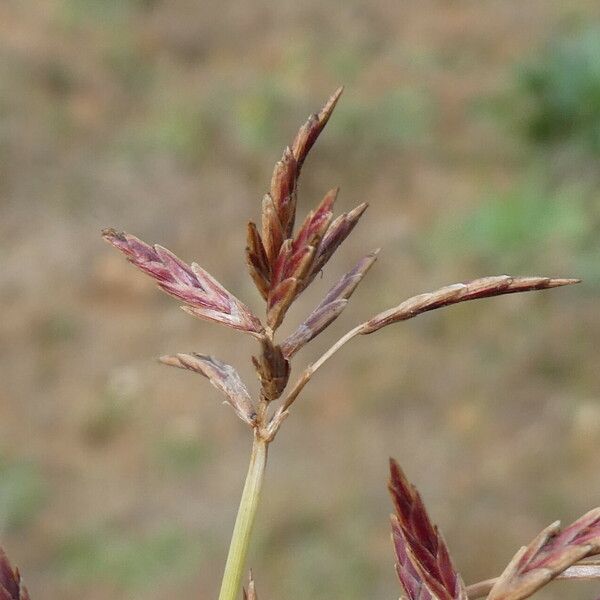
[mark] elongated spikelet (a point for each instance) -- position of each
(422, 560)
(223, 376)
(202, 294)
(330, 308)
(547, 556)
(485, 287)
(279, 205)
(282, 264)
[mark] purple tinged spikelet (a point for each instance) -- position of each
(312, 326)
(280, 300)
(282, 264)
(293, 267)
(257, 261)
(547, 556)
(223, 376)
(279, 205)
(486, 287)
(11, 587)
(300, 259)
(345, 287)
(272, 231)
(316, 223)
(310, 131)
(330, 308)
(283, 191)
(338, 231)
(423, 563)
(203, 295)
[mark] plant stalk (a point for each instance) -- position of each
(240, 539)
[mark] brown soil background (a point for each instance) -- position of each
(119, 477)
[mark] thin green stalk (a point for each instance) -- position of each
(240, 539)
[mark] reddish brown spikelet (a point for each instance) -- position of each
(272, 229)
(11, 587)
(547, 556)
(337, 232)
(316, 223)
(223, 376)
(281, 264)
(272, 369)
(293, 267)
(311, 130)
(485, 287)
(292, 263)
(280, 300)
(312, 326)
(283, 190)
(300, 260)
(279, 208)
(329, 308)
(423, 563)
(345, 287)
(257, 261)
(203, 295)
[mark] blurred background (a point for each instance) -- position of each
(472, 128)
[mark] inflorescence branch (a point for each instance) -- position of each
(283, 261)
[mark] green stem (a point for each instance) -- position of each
(240, 540)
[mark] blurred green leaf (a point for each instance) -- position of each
(115, 408)
(523, 218)
(75, 12)
(256, 122)
(182, 454)
(346, 62)
(57, 327)
(400, 116)
(512, 230)
(22, 493)
(562, 91)
(125, 560)
(319, 560)
(110, 417)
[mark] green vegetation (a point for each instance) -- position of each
(128, 561)
(402, 115)
(562, 89)
(22, 494)
(182, 454)
(514, 225)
